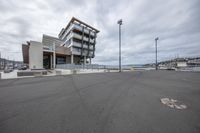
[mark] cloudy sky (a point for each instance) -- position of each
(175, 22)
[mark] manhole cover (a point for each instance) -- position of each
(172, 103)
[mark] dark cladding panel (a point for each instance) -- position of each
(25, 53)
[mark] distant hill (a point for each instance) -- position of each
(190, 61)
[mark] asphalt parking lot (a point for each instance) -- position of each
(127, 102)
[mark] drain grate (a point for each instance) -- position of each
(172, 103)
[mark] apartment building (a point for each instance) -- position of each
(75, 44)
(81, 39)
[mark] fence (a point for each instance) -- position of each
(73, 66)
(89, 66)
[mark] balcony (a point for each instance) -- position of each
(68, 37)
(85, 53)
(91, 47)
(84, 45)
(76, 44)
(92, 33)
(77, 36)
(90, 54)
(77, 27)
(91, 40)
(67, 31)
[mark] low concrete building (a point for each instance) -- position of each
(75, 45)
(181, 64)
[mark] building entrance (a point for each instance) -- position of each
(46, 62)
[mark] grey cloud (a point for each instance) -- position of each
(61, 6)
(176, 22)
(23, 25)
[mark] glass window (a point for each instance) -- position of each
(60, 60)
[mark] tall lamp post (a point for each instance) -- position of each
(156, 40)
(120, 23)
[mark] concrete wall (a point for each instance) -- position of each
(35, 55)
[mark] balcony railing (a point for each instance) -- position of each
(84, 45)
(77, 27)
(67, 31)
(77, 36)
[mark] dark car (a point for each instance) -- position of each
(22, 68)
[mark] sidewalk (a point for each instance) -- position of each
(55, 72)
(12, 74)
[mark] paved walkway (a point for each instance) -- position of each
(9, 75)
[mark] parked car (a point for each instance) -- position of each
(22, 67)
(7, 70)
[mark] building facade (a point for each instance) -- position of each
(80, 38)
(75, 44)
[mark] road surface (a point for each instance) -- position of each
(127, 102)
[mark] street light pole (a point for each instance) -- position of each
(120, 23)
(156, 66)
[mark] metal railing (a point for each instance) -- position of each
(74, 66)
(89, 66)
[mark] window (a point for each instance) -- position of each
(60, 60)
(91, 46)
(77, 49)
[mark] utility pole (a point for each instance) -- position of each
(120, 23)
(156, 65)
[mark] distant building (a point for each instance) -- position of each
(75, 45)
(2, 63)
(5, 63)
(181, 64)
(194, 62)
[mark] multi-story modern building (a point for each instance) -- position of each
(75, 44)
(80, 38)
